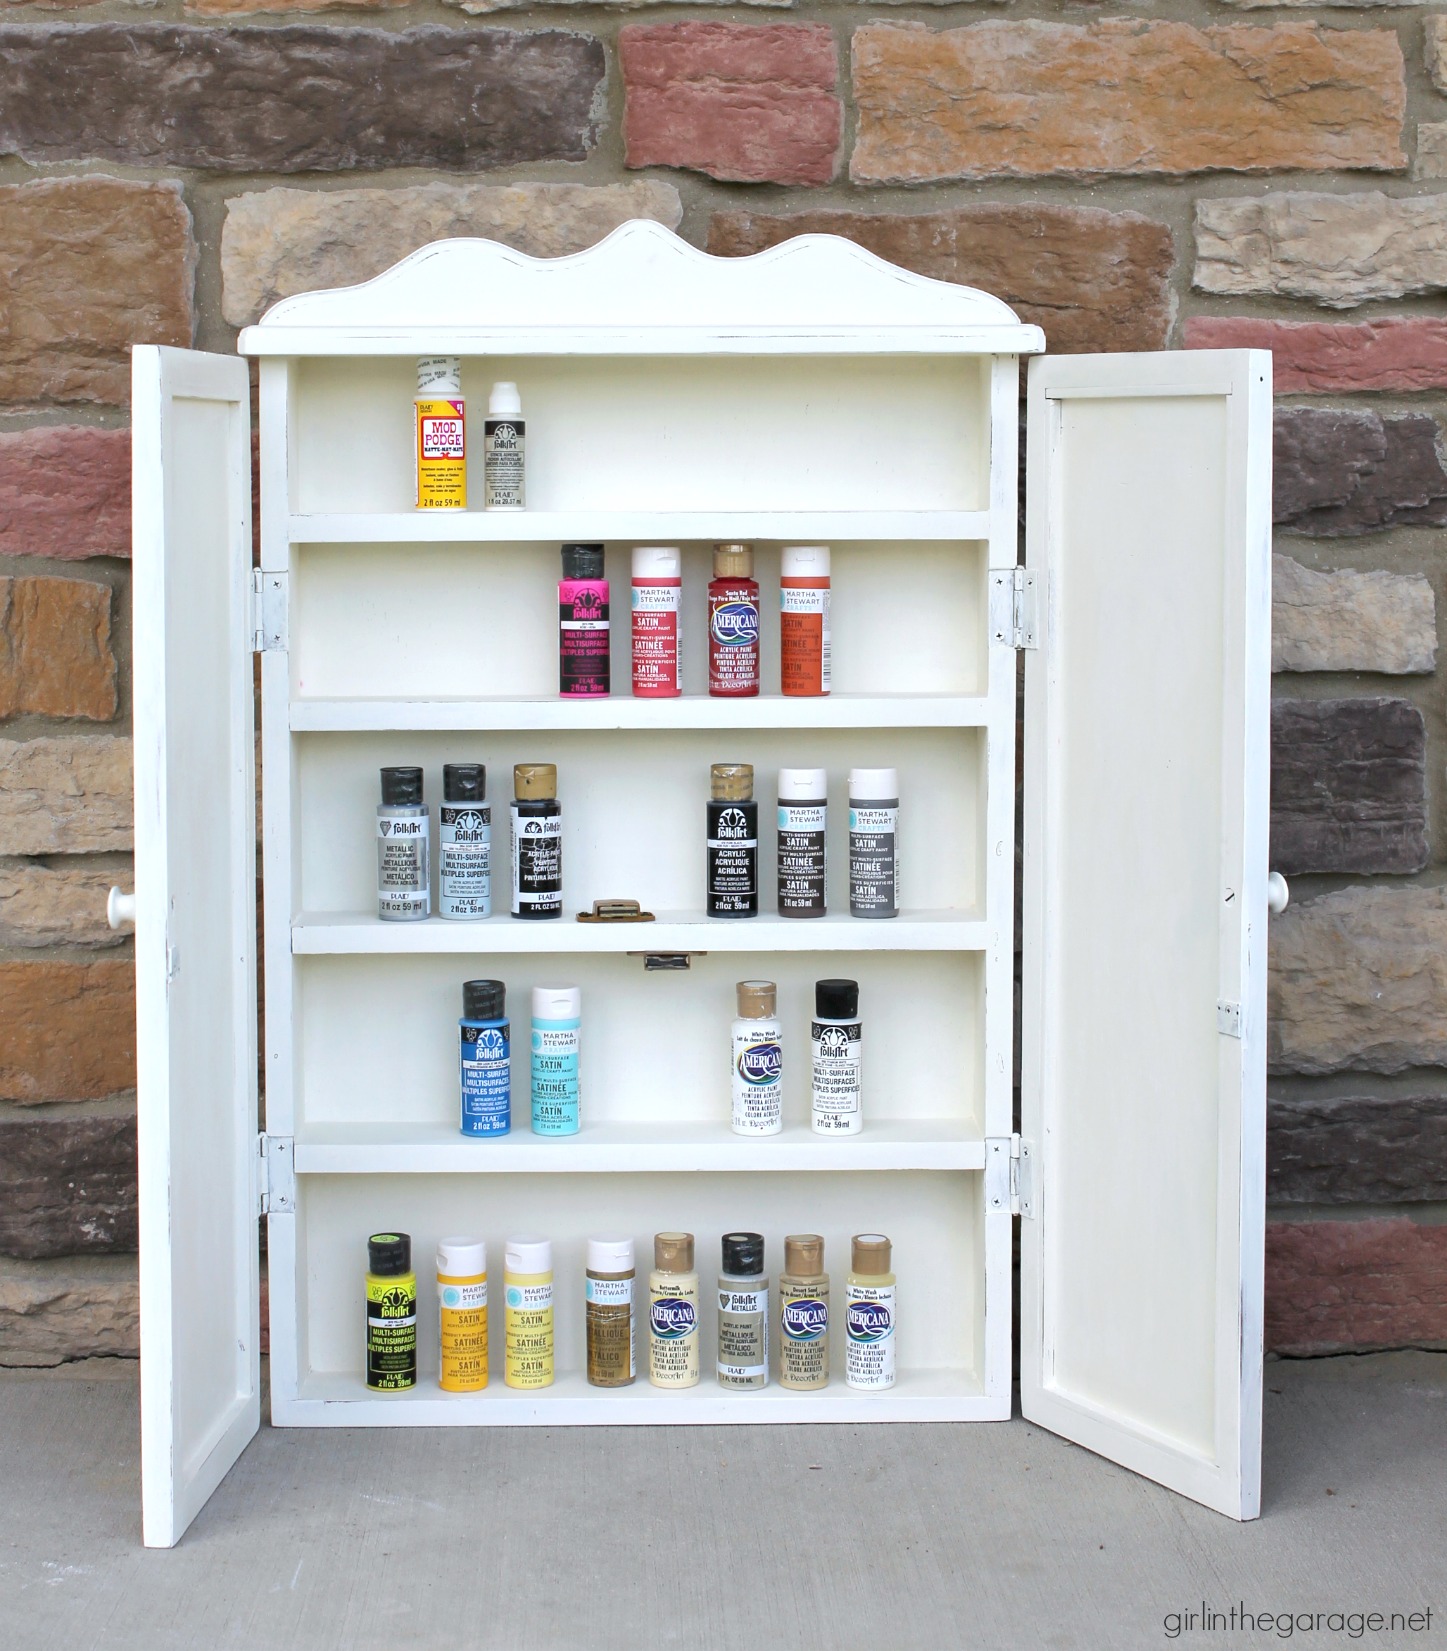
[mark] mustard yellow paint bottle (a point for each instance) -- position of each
(462, 1314)
(528, 1312)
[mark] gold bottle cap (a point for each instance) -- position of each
(673, 1252)
(803, 1255)
(731, 782)
(869, 1254)
(534, 782)
(733, 561)
(757, 999)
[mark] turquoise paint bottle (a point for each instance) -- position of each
(557, 1019)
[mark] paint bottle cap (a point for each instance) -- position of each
(731, 782)
(873, 784)
(869, 1254)
(582, 561)
(733, 561)
(656, 562)
(461, 1257)
(743, 1254)
(389, 1255)
(673, 1252)
(534, 782)
(440, 375)
(610, 1255)
(483, 1000)
(803, 1254)
(803, 785)
(464, 782)
(557, 1003)
(401, 785)
(756, 999)
(804, 562)
(504, 400)
(528, 1255)
(836, 999)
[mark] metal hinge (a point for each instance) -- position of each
(1010, 1175)
(268, 611)
(1228, 1019)
(1014, 619)
(275, 1175)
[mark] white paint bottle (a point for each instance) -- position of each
(758, 1080)
(869, 1315)
(836, 1047)
(504, 450)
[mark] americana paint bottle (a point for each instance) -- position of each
(404, 860)
(836, 1047)
(462, 1314)
(804, 1314)
(733, 842)
(743, 1313)
(391, 1313)
(584, 669)
(657, 598)
(464, 843)
(803, 863)
(733, 623)
(608, 1312)
(557, 1018)
(504, 450)
(537, 841)
(805, 648)
(486, 1060)
(440, 415)
(758, 1067)
(673, 1357)
(869, 1314)
(873, 842)
(527, 1288)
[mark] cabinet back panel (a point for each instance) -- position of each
(616, 433)
(481, 620)
(634, 809)
(378, 1040)
(934, 1220)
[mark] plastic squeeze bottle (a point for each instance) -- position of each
(673, 1312)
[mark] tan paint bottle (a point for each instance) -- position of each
(804, 1314)
(673, 1359)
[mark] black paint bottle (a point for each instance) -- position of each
(537, 841)
(733, 841)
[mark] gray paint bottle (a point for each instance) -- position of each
(873, 842)
(404, 863)
(743, 1313)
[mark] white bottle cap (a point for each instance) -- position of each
(871, 784)
(804, 562)
(803, 785)
(660, 561)
(504, 402)
(557, 1003)
(528, 1256)
(610, 1255)
(461, 1257)
(442, 373)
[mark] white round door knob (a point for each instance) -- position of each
(120, 908)
(1277, 893)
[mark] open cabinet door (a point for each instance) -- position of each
(1144, 928)
(195, 927)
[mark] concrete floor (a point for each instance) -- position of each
(726, 1539)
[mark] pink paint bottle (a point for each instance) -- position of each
(657, 593)
(583, 666)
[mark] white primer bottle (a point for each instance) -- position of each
(758, 1082)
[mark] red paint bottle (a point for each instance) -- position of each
(657, 594)
(733, 623)
(583, 634)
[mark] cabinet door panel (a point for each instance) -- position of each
(1146, 787)
(195, 927)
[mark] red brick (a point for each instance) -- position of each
(67, 1031)
(1403, 353)
(742, 102)
(1352, 1286)
(65, 492)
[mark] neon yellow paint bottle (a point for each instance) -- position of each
(391, 1313)
(528, 1315)
(462, 1314)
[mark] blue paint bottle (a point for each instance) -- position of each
(485, 1065)
(557, 1018)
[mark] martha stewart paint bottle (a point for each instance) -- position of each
(873, 842)
(504, 450)
(657, 592)
(462, 1314)
(441, 431)
(673, 1359)
(758, 1064)
(584, 670)
(485, 1065)
(404, 863)
(733, 842)
(743, 1313)
(803, 858)
(557, 1017)
(836, 1048)
(464, 843)
(804, 1314)
(869, 1314)
(805, 651)
(537, 841)
(391, 1313)
(608, 1312)
(527, 1282)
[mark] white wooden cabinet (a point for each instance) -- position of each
(809, 394)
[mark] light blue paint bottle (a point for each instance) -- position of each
(557, 1017)
(486, 1059)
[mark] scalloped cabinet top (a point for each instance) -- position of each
(643, 290)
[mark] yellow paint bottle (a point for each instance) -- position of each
(441, 434)
(528, 1312)
(462, 1314)
(391, 1313)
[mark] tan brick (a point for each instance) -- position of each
(1434, 45)
(55, 648)
(65, 492)
(1346, 619)
(1355, 1286)
(67, 1030)
(1031, 99)
(62, 905)
(66, 796)
(249, 8)
(88, 267)
(1431, 161)
(52, 1312)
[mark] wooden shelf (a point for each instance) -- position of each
(641, 1148)
(316, 934)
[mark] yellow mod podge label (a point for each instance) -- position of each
(441, 454)
(391, 1332)
(462, 1318)
(529, 1327)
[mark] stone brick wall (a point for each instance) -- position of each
(1220, 172)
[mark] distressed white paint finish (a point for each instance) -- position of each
(195, 928)
(635, 527)
(1147, 724)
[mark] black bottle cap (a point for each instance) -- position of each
(464, 782)
(401, 785)
(743, 1254)
(582, 561)
(483, 1000)
(836, 999)
(389, 1254)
